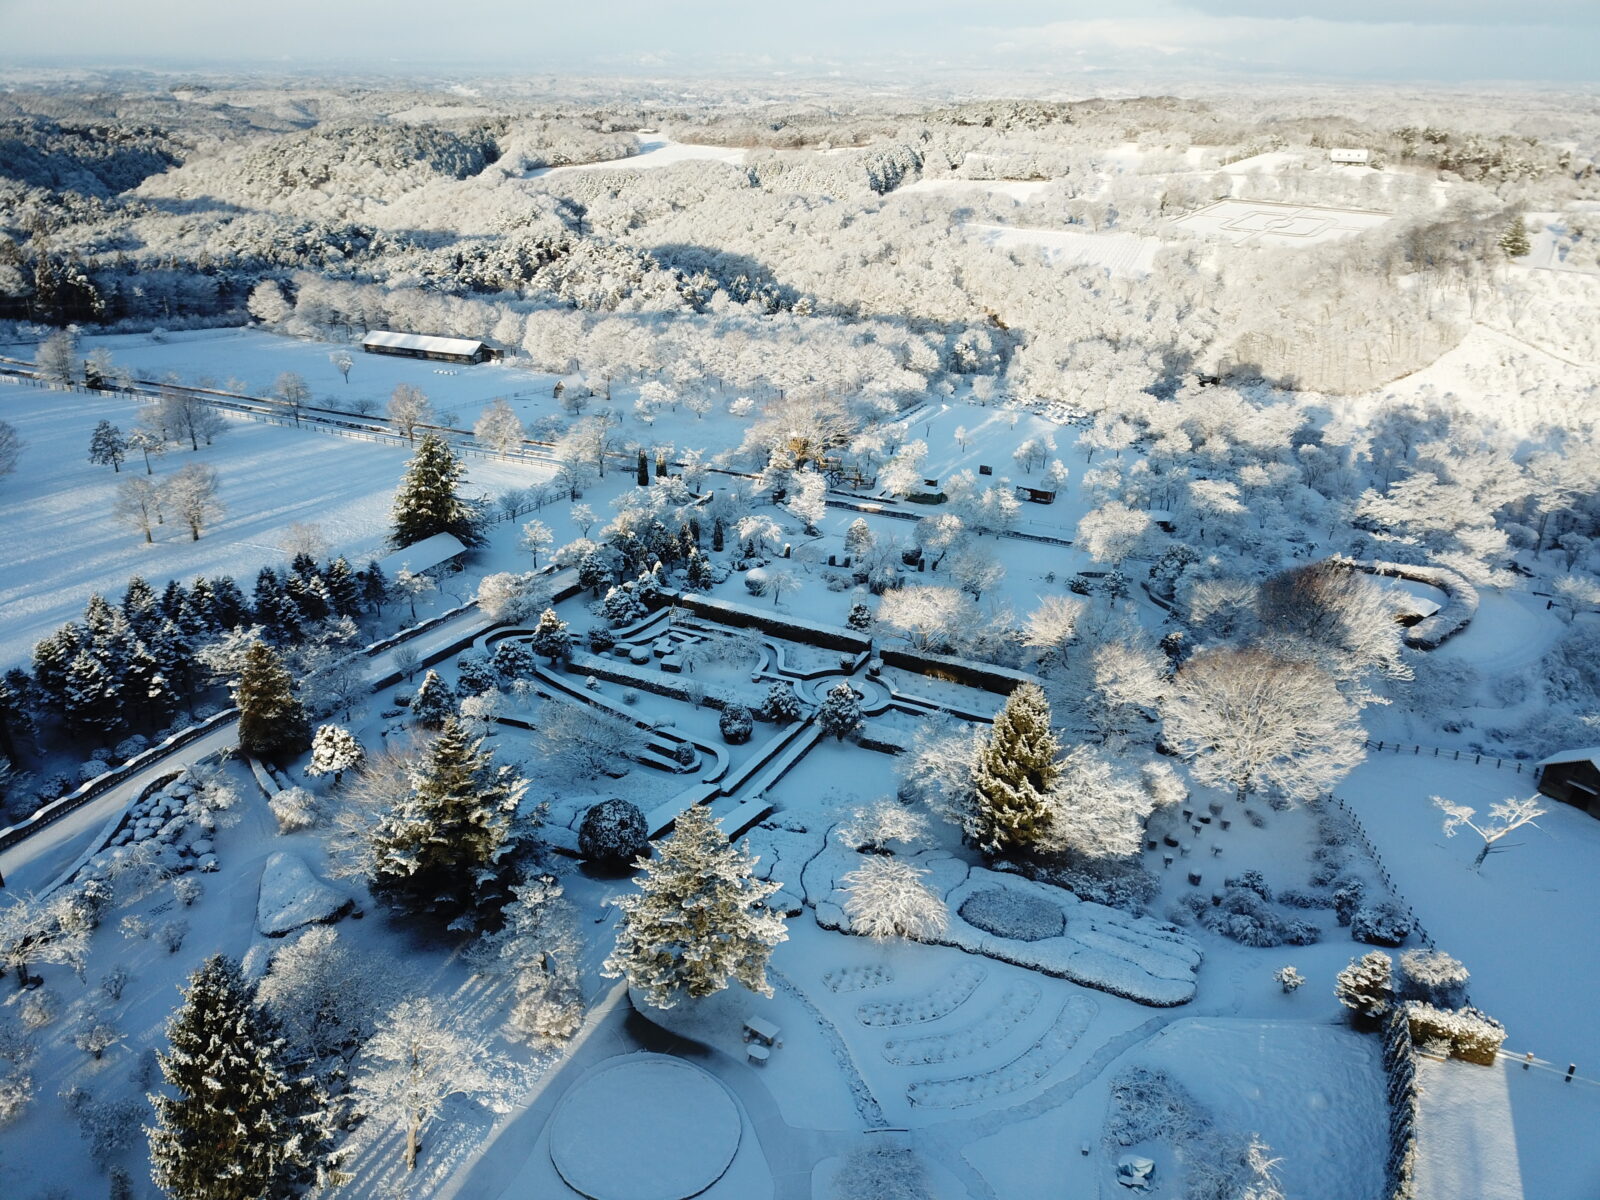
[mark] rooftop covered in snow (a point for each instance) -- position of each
(422, 556)
(383, 341)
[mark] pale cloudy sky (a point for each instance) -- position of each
(1554, 41)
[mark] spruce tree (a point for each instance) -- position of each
(1366, 986)
(1015, 771)
(242, 1125)
(52, 658)
(228, 607)
(374, 587)
(107, 446)
(139, 606)
(92, 694)
(697, 920)
(272, 725)
(840, 713)
(440, 848)
(426, 501)
(1515, 239)
(344, 589)
(550, 637)
(434, 702)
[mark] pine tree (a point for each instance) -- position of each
(107, 446)
(374, 587)
(92, 694)
(860, 616)
(242, 1126)
(859, 538)
(1515, 239)
(840, 713)
(541, 945)
(228, 607)
(52, 659)
(272, 725)
(697, 921)
(426, 501)
(550, 637)
(1015, 771)
(434, 702)
(334, 750)
(344, 588)
(174, 601)
(139, 606)
(1366, 986)
(699, 571)
(441, 847)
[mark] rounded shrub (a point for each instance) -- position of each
(613, 832)
(736, 724)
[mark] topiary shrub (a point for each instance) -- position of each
(1381, 924)
(477, 675)
(614, 833)
(600, 640)
(685, 755)
(1464, 1033)
(736, 724)
(1018, 915)
(782, 706)
(1433, 977)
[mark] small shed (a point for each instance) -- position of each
(1349, 156)
(436, 555)
(1573, 777)
(417, 345)
(1035, 495)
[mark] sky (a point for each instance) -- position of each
(1554, 41)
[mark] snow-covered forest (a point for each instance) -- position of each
(999, 647)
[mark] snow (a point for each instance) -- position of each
(1266, 222)
(292, 896)
(1016, 189)
(654, 152)
(426, 343)
(644, 1127)
(419, 556)
(1119, 253)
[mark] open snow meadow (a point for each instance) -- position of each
(796, 638)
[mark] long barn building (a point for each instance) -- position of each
(418, 345)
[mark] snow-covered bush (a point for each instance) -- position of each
(630, 696)
(92, 768)
(114, 981)
(514, 659)
(1347, 899)
(294, 809)
(186, 890)
(685, 755)
(326, 996)
(1013, 914)
(1381, 924)
(171, 934)
(1464, 1033)
(39, 1008)
(1122, 883)
(613, 832)
(736, 724)
(1252, 881)
(880, 1173)
(17, 1053)
(886, 897)
(600, 639)
(1434, 977)
(131, 746)
(475, 673)
(1366, 986)
(109, 1126)
(1288, 978)
(1239, 913)
(1300, 898)
(781, 706)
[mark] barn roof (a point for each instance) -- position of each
(419, 556)
(1589, 755)
(425, 343)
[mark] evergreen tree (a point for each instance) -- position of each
(174, 601)
(644, 470)
(699, 571)
(550, 637)
(434, 702)
(540, 944)
(1366, 986)
(426, 502)
(52, 659)
(1015, 771)
(860, 616)
(859, 538)
(697, 920)
(92, 694)
(272, 725)
(16, 719)
(440, 848)
(840, 713)
(242, 1125)
(374, 587)
(146, 690)
(107, 446)
(139, 606)
(344, 588)
(202, 605)
(277, 614)
(593, 571)
(334, 750)
(1515, 239)
(228, 607)
(782, 706)
(173, 650)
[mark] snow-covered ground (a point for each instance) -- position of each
(1119, 253)
(1261, 222)
(654, 151)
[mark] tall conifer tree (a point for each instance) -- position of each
(1014, 774)
(426, 502)
(272, 724)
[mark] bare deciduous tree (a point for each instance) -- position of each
(1505, 816)
(192, 495)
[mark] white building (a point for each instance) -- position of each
(1349, 157)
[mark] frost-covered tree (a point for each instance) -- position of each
(1505, 817)
(1247, 718)
(578, 740)
(551, 637)
(1114, 532)
(540, 945)
(536, 539)
(499, 427)
(417, 1060)
(409, 408)
(1337, 618)
(1366, 986)
(434, 702)
(241, 1124)
(292, 389)
(886, 820)
(334, 750)
(859, 538)
(35, 929)
(325, 996)
(107, 446)
(411, 586)
(272, 723)
(887, 897)
(191, 495)
(342, 362)
(11, 445)
(840, 712)
(697, 921)
(267, 304)
(880, 1172)
(1016, 770)
(808, 500)
(508, 597)
(1433, 977)
(184, 415)
(929, 618)
(147, 441)
(138, 506)
(442, 848)
(57, 358)
(294, 809)
(1096, 810)
(426, 502)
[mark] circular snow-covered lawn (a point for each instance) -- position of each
(644, 1127)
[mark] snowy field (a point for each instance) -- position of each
(654, 151)
(1262, 222)
(1015, 189)
(1119, 253)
